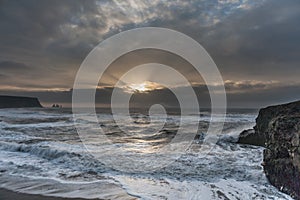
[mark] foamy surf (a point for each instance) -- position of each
(46, 156)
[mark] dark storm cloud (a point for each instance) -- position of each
(263, 98)
(36, 33)
(59, 34)
(255, 44)
(3, 76)
(12, 66)
(262, 43)
(8, 70)
(19, 75)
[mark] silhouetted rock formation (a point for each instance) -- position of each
(278, 129)
(251, 137)
(281, 126)
(258, 136)
(18, 102)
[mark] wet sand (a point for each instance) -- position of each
(10, 195)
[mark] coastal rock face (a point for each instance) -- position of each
(251, 137)
(18, 102)
(281, 127)
(267, 114)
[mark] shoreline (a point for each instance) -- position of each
(8, 194)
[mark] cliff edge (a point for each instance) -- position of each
(281, 126)
(278, 130)
(19, 102)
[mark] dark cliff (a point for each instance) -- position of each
(278, 130)
(266, 115)
(281, 126)
(251, 137)
(18, 102)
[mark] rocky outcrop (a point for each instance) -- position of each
(267, 114)
(280, 125)
(251, 137)
(278, 130)
(258, 135)
(18, 102)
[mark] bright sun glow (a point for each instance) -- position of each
(143, 87)
(139, 87)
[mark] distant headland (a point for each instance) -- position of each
(19, 102)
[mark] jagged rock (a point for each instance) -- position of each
(18, 102)
(267, 114)
(251, 137)
(281, 127)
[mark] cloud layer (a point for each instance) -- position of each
(255, 44)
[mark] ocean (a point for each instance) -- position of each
(41, 153)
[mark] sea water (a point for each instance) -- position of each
(42, 153)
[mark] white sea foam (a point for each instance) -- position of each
(46, 156)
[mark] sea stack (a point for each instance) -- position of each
(19, 102)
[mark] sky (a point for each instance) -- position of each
(254, 43)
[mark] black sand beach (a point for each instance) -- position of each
(9, 195)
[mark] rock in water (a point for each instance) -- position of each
(281, 127)
(251, 137)
(19, 102)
